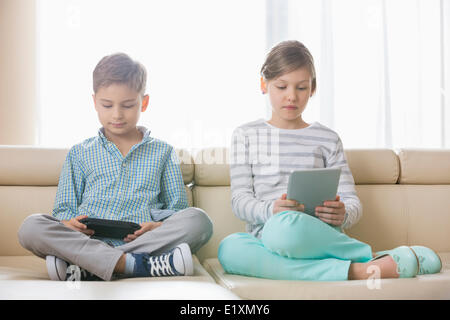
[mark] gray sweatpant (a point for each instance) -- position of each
(45, 235)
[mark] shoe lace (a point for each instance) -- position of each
(160, 265)
(76, 273)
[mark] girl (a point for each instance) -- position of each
(283, 242)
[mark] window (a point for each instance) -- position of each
(202, 57)
(383, 66)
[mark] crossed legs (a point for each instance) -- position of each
(295, 246)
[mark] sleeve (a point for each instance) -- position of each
(173, 193)
(346, 188)
(70, 188)
(243, 201)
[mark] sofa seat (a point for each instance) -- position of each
(26, 277)
(34, 268)
(405, 196)
(434, 286)
(178, 289)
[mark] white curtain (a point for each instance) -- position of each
(203, 59)
(383, 67)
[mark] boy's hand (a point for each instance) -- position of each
(333, 212)
(76, 225)
(283, 204)
(145, 226)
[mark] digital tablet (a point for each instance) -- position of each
(311, 187)
(105, 228)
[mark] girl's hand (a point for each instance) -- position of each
(333, 212)
(76, 225)
(145, 226)
(283, 204)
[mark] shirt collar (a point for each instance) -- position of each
(145, 135)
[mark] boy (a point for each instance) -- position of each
(121, 174)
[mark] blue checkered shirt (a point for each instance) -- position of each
(97, 181)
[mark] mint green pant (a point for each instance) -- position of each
(293, 246)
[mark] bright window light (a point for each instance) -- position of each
(378, 64)
(203, 60)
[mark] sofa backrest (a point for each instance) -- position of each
(413, 211)
(28, 181)
(405, 197)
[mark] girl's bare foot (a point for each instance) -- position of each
(385, 267)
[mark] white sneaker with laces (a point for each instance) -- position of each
(60, 270)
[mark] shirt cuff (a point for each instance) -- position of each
(269, 212)
(344, 223)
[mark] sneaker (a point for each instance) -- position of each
(60, 270)
(176, 262)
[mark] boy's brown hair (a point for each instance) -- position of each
(120, 68)
(288, 56)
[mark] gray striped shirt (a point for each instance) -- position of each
(262, 158)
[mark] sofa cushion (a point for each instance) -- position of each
(395, 215)
(424, 166)
(25, 277)
(373, 166)
(178, 289)
(28, 181)
(216, 201)
(37, 166)
(383, 224)
(428, 218)
(368, 166)
(212, 167)
(186, 164)
(30, 166)
(435, 286)
(18, 202)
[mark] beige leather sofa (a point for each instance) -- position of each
(406, 200)
(28, 182)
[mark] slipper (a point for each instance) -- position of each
(429, 261)
(407, 262)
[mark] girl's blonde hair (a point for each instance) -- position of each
(288, 56)
(120, 68)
